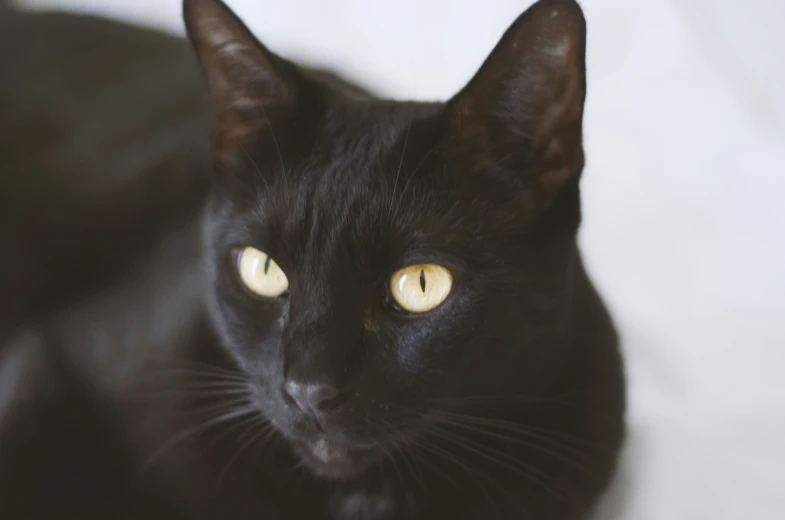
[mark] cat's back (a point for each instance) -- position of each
(104, 132)
(81, 90)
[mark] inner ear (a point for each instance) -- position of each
(524, 107)
(251, 88)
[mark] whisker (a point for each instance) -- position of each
(255, 421)
(169, 445)
(194, 372)
(212, 407)
(167, 381)
(415, 474)
(261, 175)
(185, 393)
(268, 437)
(432, 465)
(413, 174)
(400, 165)
(233, 427)
(277, 149)
(388, 456)
(264, 441)
(187, 414)
(193, 384)
(472, 471)
(493, 455)
(168, 361)
(496, 435)
(500, 399)
(250, 189)
(568, 437)
(524, 429)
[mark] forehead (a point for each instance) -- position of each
(358, 184)
(374, 189)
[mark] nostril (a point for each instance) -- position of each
(288, 396)
(312, 398)
(334, 400)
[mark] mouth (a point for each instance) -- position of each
(334, 459)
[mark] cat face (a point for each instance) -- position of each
(376, 265)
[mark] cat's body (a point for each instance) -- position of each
(129, 337)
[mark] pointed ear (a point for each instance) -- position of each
(251, 88)
(522, 112)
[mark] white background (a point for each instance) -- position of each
(684, 198)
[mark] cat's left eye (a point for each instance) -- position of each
(420, 288)
(261, 274)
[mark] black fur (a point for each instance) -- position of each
(156, 389)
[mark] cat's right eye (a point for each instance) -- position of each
(261, 274)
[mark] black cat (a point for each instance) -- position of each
(380, 312)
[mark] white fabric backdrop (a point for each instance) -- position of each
(684, 208)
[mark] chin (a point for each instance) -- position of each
(337, 460)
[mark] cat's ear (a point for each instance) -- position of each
(522, 112)
(251, 88)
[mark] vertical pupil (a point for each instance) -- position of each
(422, 279)
(267, 264)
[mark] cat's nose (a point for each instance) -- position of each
(312, 398)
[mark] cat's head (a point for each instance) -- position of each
(376, 264)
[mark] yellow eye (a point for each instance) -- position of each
(420, 288)
(261, 274)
